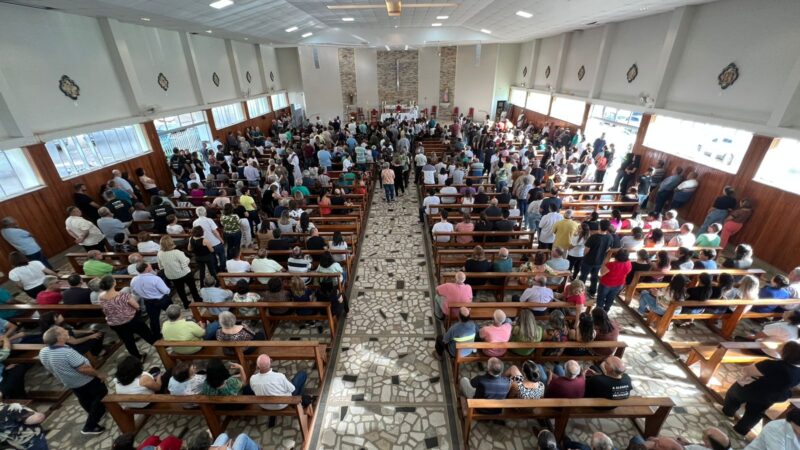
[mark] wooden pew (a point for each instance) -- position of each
(711, 357)
(505, 286)
(485, 310)
(208, 408)
(270, 322)
(480, 238)
(729, 319)
(26, 311)
(277, 350)
(538, 354)
(653, 409)
(456, 258)
(638, 284)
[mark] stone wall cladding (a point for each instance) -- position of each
(409, 76)
(447, 79)
(347, 75)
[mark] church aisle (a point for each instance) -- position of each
(387, 390)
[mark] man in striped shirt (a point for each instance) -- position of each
(298, 263)
(75, 372)
(463, 331)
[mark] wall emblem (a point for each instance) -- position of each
(271, 76)
(581, 73)
(547, 72)
(728, 76)
(163, 81)
(632, 73)
(68, 86)
(525, 71)
(215, 79)
(248, 76)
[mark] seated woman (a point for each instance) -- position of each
(656, 303)
(634, 241)
(640, 264)
(584, 332)
(219, 381)
(776, 289)
(711, 236)
(275, 293)
(701, 292)
(328, 265)
(299, 292)
(185, 379)
(652, 221)
(742, 258)
(131, 379)
(525, 384)
(526, 329)
(229, 331)
(605, 329)
(329, 292)
(51, 295)
(465, 226)
(477, 263)
(243, 295)
(635, 220)
(616, 218)
(655, 239)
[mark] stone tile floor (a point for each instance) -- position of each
(388, 392)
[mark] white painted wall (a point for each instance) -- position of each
(525, 60)
(248, 62)
(366, 60)
(582, 51)
(475, 78)
(548, 56)
(504, 77)
(634, 41)
(289, 68)
(270, 61)
(213, 57)
(37, 48)
(321, 87)
(428, 77)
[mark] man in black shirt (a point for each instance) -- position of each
(503, 225)
(179, 166)
(315, 241)
(504, 196)
(723, 205)
(596, 248)
(159, 211)
(120, 209)
(645, 183)
(277, 242)
(552, 198)
(611, 383)
(493, 210)
(85, 203)
(78, 295)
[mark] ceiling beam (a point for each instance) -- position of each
(561, 60)
(233, 61)
(671, 51)
(191, 63)
(789, 91)
(601, 63)
(535, 50)
(9, 103)
(262, 70)
(122, 62)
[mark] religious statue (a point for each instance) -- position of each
(446, 95)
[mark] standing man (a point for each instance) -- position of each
(154, 293)
(211, 234)
(84, 232)
(420, 160)
(22, 240)
(596, 248)
(667, 187)
(598, 145)
(75, 372)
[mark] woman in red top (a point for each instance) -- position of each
(51, 295)
(612, 279)
(122, 315)
(575, 294)
(324, 201)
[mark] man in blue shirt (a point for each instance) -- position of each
(492, 385)
(324, 156)
(23, 241)
(463, 331)
(667, 187)
(154, 293)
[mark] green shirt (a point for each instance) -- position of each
(301, 189)
(232, 386)
(516, 336)
(95, 268)
(230, 224)
(183, 330)
(708, 240)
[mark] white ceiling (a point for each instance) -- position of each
(264, 21)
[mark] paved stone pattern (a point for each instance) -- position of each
(387, 391)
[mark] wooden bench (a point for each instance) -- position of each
(653, 409)
(729, 319)
(270, 322)
(208, 407)
(485, 310)
(711, 357)
(26, 311)
(242, 353)
(504, 286)
(538, 355)
(638, 284)
(481, 238)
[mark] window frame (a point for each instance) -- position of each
(233, 113)
(531, 106)
(22, 154)
(521, 93)
(774, 152)
(558, 100)
(284, 103)
(256, 101)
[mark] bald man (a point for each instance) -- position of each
(268, 382)
(449, 293)
(611, 382)
(570, 383)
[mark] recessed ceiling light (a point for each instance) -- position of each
(290, 29)
(146, 19)
(484, 30)
(406, 47)
(219, 4)
(347, 19)
(442, 17)
(388, 48)
(524, 14)
(397, 26)
(209, 31)
(437, 24)
(307, 35)
(246, 39)
(643, 8)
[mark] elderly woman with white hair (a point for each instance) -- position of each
(230, 331)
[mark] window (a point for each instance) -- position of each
(225, 116)
(780, 167)
(257, 107)
(568, 110)
(711, 145)
(614, 116)
(75, 155)
(279, 101)
(538, 102)
(186, 131)
(518, 97)
(17, 175)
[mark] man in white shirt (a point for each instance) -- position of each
(794, 284)
(684, 238)
(781, 434)
(538, 293)
(670, 221)
(448, 189)
(431, 199)
(267, 382)
(442, 226)
(84, 232)
(428, 174)
(237, 265)
(262, 264)
(546, 227)
(210, 233)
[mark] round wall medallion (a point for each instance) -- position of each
(69, 87)
(271, 76)
(581, 73)
(632, 73)
(215, 79)
(547, 72)
(525, 71)
(163, 81)
(728, 76)
(248, 76)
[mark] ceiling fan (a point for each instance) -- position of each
(394, 7)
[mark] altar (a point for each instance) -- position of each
(400, 116)
(399, 111)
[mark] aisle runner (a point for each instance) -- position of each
(387, 391)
